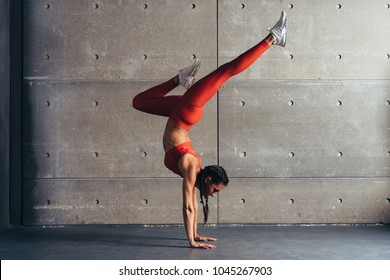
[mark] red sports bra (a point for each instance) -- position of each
(173, 156)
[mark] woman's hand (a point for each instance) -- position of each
(204, 238)
(202, 245)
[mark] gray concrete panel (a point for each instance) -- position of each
(113, 40)
(130, 201)
(256, 201)
(326, 39)
(305, 129)
(89, 129)
(327, 201)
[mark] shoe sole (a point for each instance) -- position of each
(284, 27)
(284, 19)
(197, 66)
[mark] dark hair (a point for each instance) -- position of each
(218, 175)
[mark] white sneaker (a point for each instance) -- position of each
(279, 31)
(187, 75)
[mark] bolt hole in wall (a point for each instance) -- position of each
(242, 154)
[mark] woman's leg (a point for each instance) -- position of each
(203, 90)
(154, 100)
(206, 88)
(189, 111)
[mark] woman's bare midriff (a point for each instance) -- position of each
(174, 135)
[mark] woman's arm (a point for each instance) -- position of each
(188, 167)
(196, 236)
(195, 203)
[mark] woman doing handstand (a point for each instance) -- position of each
(184, 112)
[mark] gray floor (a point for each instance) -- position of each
(161, 242)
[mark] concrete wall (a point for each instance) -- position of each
(304, 133)
(4, 113)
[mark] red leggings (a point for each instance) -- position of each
(187, 110)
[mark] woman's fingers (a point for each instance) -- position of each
(205, 238)
(211, 239)
(207, 246)
(204, 246)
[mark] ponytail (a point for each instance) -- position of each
(205, 209)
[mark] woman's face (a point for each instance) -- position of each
(213, 189)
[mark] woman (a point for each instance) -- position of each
(185, 111)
